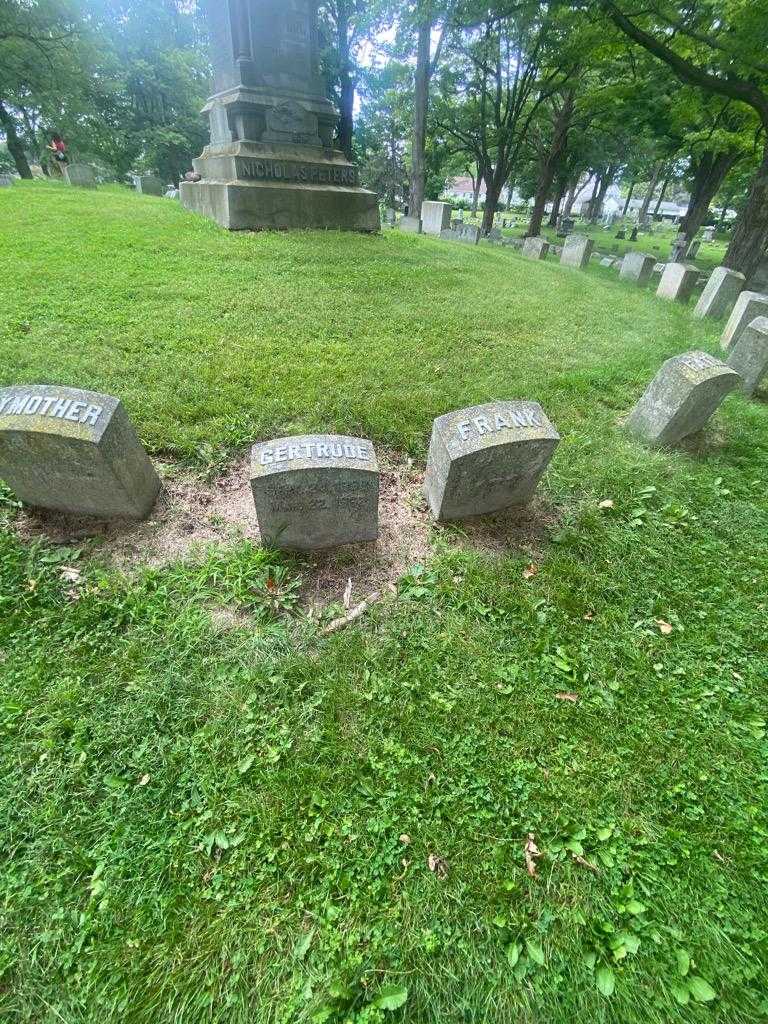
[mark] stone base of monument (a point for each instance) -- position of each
(258, 186)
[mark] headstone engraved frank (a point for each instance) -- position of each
(315, 491)
(637, 267)
(720, 293)
(487, 458)
(535, 248)
(748, 306)
(272, 161)
(749, 356)
(74, 451)
(681, 398)
(577, 250)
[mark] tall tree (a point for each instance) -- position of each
(427, 16)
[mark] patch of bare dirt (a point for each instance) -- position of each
(194, 512)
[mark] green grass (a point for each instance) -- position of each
(203, 824)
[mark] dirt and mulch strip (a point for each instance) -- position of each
(194, 512)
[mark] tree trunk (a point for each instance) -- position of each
(549, 163)
(750, 234)
(605, 183)
(724, 212)
(557, 204)
(658, 168)
(12, 140)
(421, 103)
(346, 82)
(492, 193)
(629, 198)
(709, 176)
(662, 194)
(593, 197)
(569, 201)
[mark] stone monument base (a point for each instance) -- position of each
(249, 186)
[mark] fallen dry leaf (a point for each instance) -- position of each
(608, 503)
(530, 572)
(32, 586)
(438, 866)
(664, 627)
(582, 862)
(405, 839)
(532, 854)
(572, 697)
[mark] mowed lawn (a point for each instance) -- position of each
(203, 823)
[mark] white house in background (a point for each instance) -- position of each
(462, 188)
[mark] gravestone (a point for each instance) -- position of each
(535, 248)
(435, 217)
(271, 161)
(148, 185)
(693, 249)
(390, 216)
(495, 235)
(565, 226)
(461, 232)
(678, 281)
(74, 451)
(637, 267)
(577, 251)
(748, 306)
(633, 235)
(315, 491)
(681, 398)
(411, 225)
(709, 235)
(720, 293)
(172, 193)
(749, 356)
(81, 175)
(607, 261)
(487, 458)
(621, 233)
(6, 180)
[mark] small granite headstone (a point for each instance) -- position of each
(577, 251)
(607, 261)
(435, 217)
(461, 232)
(148, 185)
(637, 267)
(6, 180)
(487, 458)
(748, 306)
(316, 491)
(535, 248)
(81, 175)
(412, 225)
(74, 451)
(681, 398)
(693, 250)
(678, 282)
(621, 233)
(749, 356)
(633, 235)
(720, 293)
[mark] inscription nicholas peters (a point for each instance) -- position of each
(307, 173)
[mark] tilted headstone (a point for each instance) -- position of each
(681, 398)
(148, 185)
(316, 491)
(749, 356)
(435, 217)
(74, 451)
(678, 282)
(411, 225)
(81, 175)
(637, 267)
(693, 250)
(535, 248)
(720, 293)
(577, 251)
(487, 458)
(748, 306)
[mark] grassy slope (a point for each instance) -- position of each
(308, 758)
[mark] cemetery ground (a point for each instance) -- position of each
(234, 817)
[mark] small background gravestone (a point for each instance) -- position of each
(148, 185)
(74, 451)
(681, 398)
(316, 491)
(435, 217)
(81, 175)
(577, 250)
(6, 180)
(637, 267)
(487, 458)
(678, 281)
(748, 306)
(411, 225)
(720, 293)
(535, 248)
(749, 356)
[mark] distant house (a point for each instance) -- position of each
(462, 188)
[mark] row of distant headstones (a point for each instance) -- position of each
(84, 176)
(77, 452)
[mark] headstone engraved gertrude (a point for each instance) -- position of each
(749, 356)
(681, 398)
(316, 491)
(748, 306)
(720, 293)
(271, 161)
(74, 451)
(487, 458)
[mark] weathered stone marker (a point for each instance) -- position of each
(411, 225)
(748, 306)
(749, 356)
(577, 250)
(681, 398)
(637, 267)
(435, 217)
(74, 451)
(316, 491)
(487, 458)
(461, 232)
(607, 261)
(720, 293)
(81, 175)
(535, 248)
(149, 185)
(678, 281)
(6, 180)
